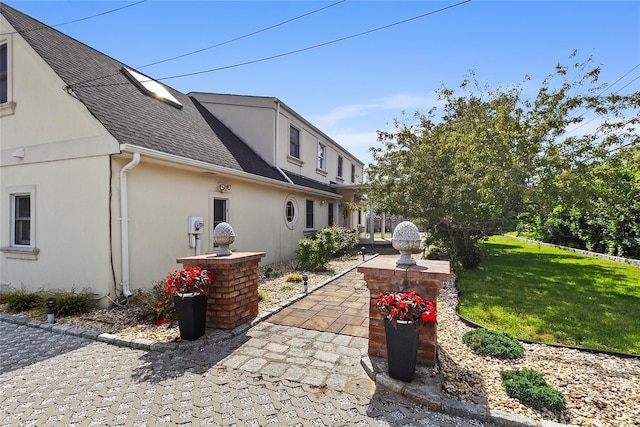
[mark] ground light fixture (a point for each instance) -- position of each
(305, 279)
(50, 304)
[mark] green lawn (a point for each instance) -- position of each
(553, 296)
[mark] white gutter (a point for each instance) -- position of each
(158, 155)
(124, 224)
(278, 144)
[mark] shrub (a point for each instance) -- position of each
(157, 303)
(314, 254)
(346, 239)
(21, 301)
(294, 277)
(72, 304)
(492, 343)
(529, 387)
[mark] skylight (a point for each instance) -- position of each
(151, 87)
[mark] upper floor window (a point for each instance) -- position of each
(339, 166)
(322, 152)
(4, 73)
(294, 142)
(353, 173)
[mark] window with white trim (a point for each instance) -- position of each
(322, 152)
(21, 221)
(340, 160)
(7, 105)
(309, 215)
(290, 212)
(353, 173)
(4, 73)
(294, 142)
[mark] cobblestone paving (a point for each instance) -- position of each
(52, 379)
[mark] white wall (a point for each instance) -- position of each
(71, 226)
(161, 197)
(66, 164)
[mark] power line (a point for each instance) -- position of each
(82, 82)
(244, 36)
(75, 20)
(404, 21)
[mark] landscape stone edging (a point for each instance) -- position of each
(451, 406)
(148, 345)
(618, 259)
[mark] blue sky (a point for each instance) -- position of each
(351, 89)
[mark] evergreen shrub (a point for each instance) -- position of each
(492, 343)
(530, 387)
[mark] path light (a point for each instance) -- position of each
(362, 251)
(50, 304)
(305, 278)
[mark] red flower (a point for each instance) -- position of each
(406, 306)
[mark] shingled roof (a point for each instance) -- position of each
(131, 116)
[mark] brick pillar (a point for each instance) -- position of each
(233, 294)
(426, 278)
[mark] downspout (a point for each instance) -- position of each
(278, 144)
(124, 224)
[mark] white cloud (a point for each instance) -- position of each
(393, 104)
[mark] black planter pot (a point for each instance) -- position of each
(402, 349)
(191, 311)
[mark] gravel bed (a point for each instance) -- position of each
(599, 389)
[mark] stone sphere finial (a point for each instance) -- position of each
(406, 239)
(223, 236)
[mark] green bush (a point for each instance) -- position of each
(315, 254)
(294, 277)
(72, 304)
(346, 239)
(21, 301)
(529, 387)
(492, 343)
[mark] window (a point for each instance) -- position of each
(321, 155)
(21, 220)
(219, 213)
(150, 87)
(4, 73)
(339, 166)
(294, 142)
(309, 223)
(353, 173)
(21, 204)
(331, 220)
(290, 212)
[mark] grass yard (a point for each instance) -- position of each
(553, 296)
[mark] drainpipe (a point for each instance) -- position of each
(278, 144)
(124, 224)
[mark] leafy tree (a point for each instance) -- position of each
(487, 156)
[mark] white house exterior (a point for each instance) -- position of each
(100, 179)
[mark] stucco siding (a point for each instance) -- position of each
(71, 229)
(48, 122)
(162, 197)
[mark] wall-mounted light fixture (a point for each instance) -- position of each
(322, 202)
(223, 188)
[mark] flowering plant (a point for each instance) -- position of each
(189, 280)
(407, 307)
